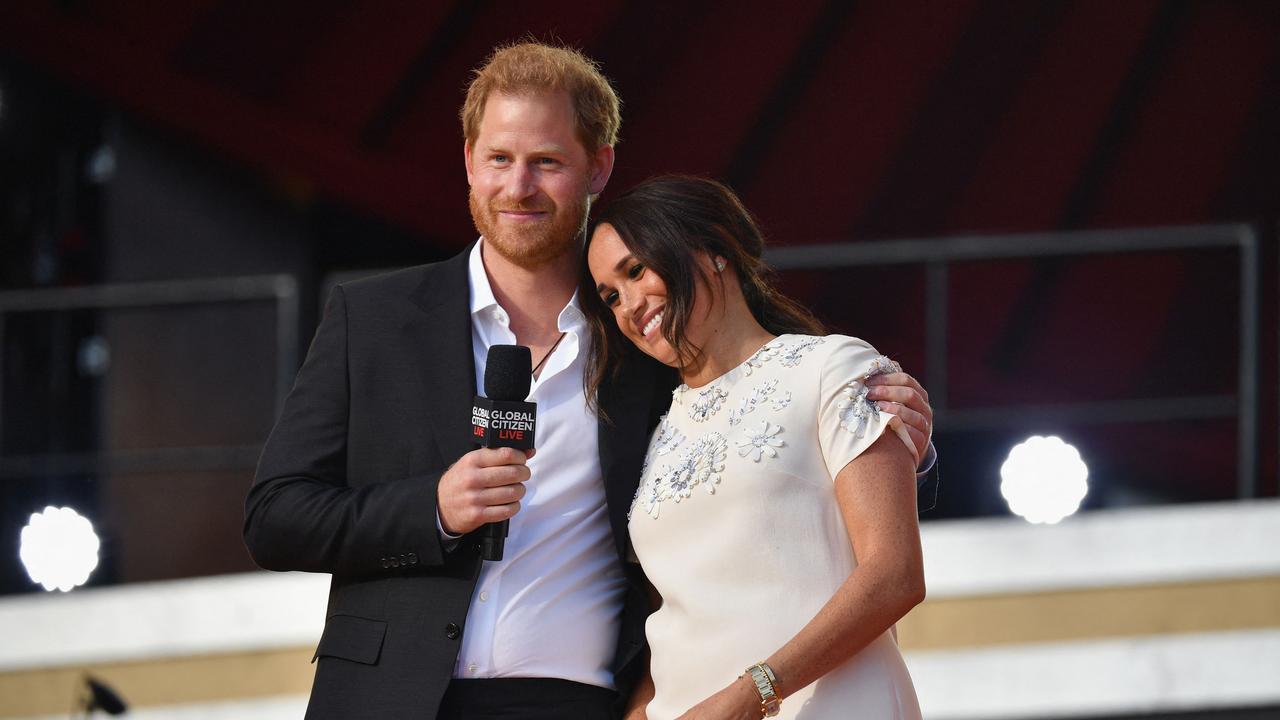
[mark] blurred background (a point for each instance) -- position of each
(1061, 216)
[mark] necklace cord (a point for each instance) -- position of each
(543, 361)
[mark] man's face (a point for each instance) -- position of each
(531, 178)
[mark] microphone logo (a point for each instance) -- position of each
(503, 423)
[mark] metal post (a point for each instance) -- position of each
(286, 289)
(1247, 430)
(3, 357)
(935, 338)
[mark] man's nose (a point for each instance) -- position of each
(520, 182)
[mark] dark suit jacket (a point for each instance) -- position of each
(347, 485)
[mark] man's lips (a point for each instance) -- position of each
(523, 214)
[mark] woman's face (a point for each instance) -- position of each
(637, 296)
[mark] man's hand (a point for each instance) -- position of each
(900, 394)
(484, 486)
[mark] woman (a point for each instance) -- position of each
(776, 513)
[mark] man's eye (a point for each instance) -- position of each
(636, 271)
(499, 158)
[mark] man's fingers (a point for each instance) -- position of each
(915, 423)
(501, 475)
(501, 495)
(899, 394)
(899, 379)
(918, 426)
(494, 457)
(920, 441)
(913, 419)
(498, 513)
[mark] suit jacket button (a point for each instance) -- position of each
(386, 563)
(413, 558)
(452, 631)
(395, 561)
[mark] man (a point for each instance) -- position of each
(370, 475)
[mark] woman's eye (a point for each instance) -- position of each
(636, 271)
(610, 299)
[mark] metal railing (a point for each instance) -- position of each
(938, 254)
(281, 289)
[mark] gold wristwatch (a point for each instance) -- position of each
(767, 685)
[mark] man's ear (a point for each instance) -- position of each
(466, 159)
(601, 169)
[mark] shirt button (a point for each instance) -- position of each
(472, 668)
(452, 631)
(484, 595)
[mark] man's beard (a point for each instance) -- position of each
(535, 246)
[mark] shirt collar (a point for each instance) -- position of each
(571, 317)
(482, 297)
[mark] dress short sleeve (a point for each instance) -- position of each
(848, 422)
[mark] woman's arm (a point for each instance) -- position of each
(876, 494)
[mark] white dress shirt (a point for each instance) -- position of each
(551, 607)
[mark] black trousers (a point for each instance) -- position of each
(526, 699)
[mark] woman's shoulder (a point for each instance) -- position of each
(822, 346)
(846, 356)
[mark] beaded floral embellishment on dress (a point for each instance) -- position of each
(702, 461)
(749, 403)
(762, 441)
(854, 408)
(793, 354)
(760, 357)
(666, 438)
(699, 464)
(707, 403)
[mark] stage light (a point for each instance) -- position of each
(1044, 479)
(59, 548)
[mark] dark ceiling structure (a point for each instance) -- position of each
(834, 119)
(838, 121)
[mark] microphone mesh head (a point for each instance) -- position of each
(508, 372)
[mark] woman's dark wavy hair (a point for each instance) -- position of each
(665, 222)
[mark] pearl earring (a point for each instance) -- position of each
(719, 264)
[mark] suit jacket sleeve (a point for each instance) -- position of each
(302, 512)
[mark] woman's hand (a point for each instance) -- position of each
(739, 701)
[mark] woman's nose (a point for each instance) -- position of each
(628, 302)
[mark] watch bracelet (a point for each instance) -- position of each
(767, 686)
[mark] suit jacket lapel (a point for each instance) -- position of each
(628, 401)
(443, 332)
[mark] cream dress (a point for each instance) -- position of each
(736, 524)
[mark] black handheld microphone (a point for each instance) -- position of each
(503, 419)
